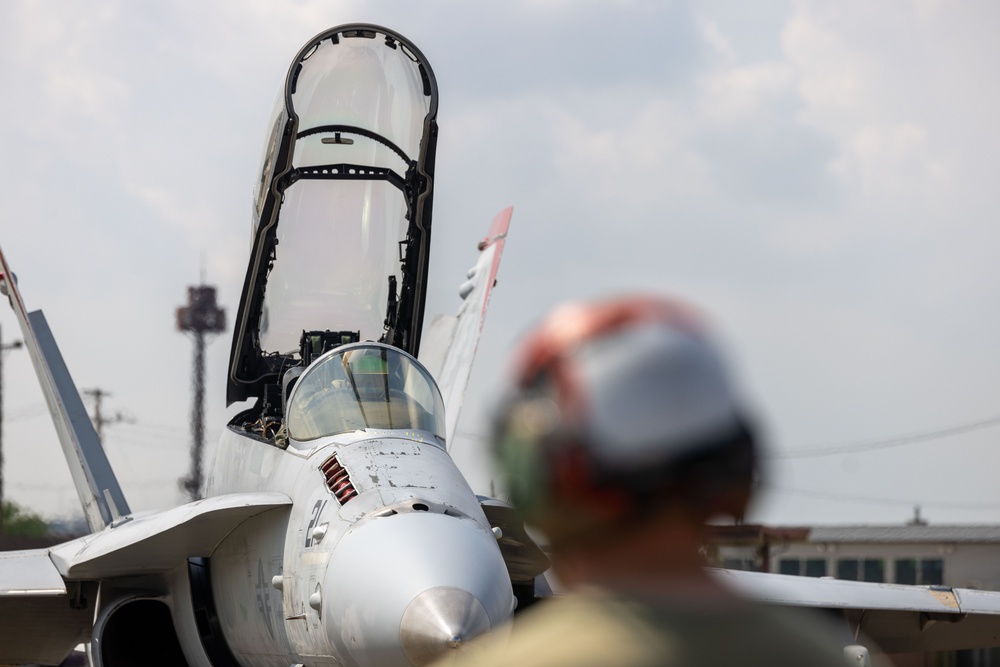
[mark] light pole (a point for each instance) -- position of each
(202, 317)
(3, 348)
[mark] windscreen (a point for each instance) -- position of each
(338, 240)
(357, 387)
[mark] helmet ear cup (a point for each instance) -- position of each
(550, 475)
(523, 470)
(523, 432)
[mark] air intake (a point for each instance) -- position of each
(338, 480)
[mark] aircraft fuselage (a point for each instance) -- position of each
(390, 533)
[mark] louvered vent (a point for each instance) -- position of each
(337, 480)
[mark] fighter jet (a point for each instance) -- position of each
(335, 528)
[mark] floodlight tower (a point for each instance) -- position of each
(201, 317)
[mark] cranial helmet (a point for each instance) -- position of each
(626, 394)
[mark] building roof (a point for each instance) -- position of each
(906, 534)
(755, 534)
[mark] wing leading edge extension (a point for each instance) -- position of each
(96, 484)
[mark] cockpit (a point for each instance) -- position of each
(342, 210)
(363, 386)
(342, 223)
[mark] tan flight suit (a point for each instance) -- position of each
(597, 628)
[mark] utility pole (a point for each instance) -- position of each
(3, 348)
(100, 421)
(200, 317)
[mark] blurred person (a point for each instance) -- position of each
(622, 437)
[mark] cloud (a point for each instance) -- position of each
(819, 175)
(888, 83)
(643, 158)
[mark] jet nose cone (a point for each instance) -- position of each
(405, 589)
(439, 620)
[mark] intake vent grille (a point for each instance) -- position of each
(338, 480)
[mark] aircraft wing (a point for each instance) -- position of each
(160, 541)
(895, 617)
(39, 622)
(47, 596)
(450, 343)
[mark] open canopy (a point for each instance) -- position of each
(342, 209)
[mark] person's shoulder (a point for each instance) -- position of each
(579, 629)
(596, 627)
(801, 635)
(730, 631)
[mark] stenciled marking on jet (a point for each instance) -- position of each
(317, 512)
(264, 597)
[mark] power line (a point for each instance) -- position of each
(145, 444)
(170, 431)
(886, 443)
(848, 447)
(841, 497)
(68, 486)
(26, 412)
(99, 419)
(145, 431)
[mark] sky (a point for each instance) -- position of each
(818, 177)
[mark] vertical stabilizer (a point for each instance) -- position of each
(96, 484)
(451, 342)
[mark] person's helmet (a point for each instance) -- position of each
(624, 399)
